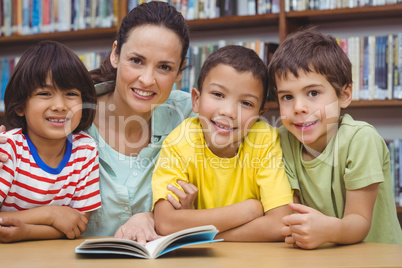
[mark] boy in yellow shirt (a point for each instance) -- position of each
(226, 164)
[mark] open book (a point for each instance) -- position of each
(153, 249)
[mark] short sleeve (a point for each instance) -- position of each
(87, 195)
(366, 156)
(271, 178)
(169, 168)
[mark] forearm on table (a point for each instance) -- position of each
(39, 215)
(353, 228)
(265, 228)
(169, 220)
(43, 232)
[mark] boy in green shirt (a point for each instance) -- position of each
(339, 168)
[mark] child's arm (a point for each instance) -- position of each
(255, 230)
(14, 230)
(71, 222)
(169, 220)
(266, 228)
(310, 228)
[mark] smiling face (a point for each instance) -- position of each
(310, 108)
(228, 107)
(147, 68)
(51, 113)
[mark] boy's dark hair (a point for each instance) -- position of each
(240, 58)
(67, 72)
(152, 13)
(309, 50)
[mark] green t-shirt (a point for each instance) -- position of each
(354, 158)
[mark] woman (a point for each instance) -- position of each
(136, 111)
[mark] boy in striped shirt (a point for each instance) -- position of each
(50, 183)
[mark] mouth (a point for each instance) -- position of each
(143, 93)
(58, 120)
(223, 126)
(305, 125)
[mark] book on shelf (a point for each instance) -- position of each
(153, 249)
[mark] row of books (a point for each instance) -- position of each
(197, 54)
(24, 17)
(209, 9)
(301, 5)
(91, 60)
(395, 154)
(376, 66)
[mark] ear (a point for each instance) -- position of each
(20, 113)
(195, 99)
(180, 73)
(114, 58)
(346, 96)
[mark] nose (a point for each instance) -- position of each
(59, 103)
(229, 109)
(147, 77)
(300, 106)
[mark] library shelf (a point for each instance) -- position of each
(356, 13)
(231, 22)
(87, 34)
(360, 103)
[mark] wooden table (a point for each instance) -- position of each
(60, 253)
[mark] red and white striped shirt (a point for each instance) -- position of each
(26, 182)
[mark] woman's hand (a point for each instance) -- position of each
(186, 198)
(140, 227)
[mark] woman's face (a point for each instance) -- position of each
(147, 68)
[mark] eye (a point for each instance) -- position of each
(313, 93)
(247, 103)
(42, 93)
(217, 94)
(136, 60)
(166, 67)
(73, 93)
(286, 97)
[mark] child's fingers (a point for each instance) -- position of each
(187, 187)
(285, 231)
(300, 208)
(290, 240)
(7, 222)
(173, 201)
(178, 192)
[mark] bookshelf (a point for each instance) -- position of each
(347, 21)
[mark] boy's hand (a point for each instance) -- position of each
(140, 227)
(68, 220)
(12, 230)
(307, 229)
(187, 198)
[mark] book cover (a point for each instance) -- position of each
(153, 249)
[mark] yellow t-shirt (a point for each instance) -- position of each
(256, 172)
